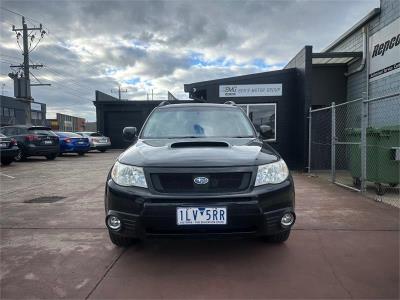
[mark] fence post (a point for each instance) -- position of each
(309, 139)
(333, 143)
(364, 125)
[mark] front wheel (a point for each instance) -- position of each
(20, 155)
(278, 238)
(51, 156)
(121, 241)
(102, 150)
(5, 161)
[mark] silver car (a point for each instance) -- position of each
(97, 140)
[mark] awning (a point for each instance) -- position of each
(335, 57)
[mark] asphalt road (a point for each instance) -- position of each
(342, 246)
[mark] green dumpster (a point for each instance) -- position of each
(353, 136)
(388, 164)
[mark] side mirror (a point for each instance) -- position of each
(129, 134)
(266, 131)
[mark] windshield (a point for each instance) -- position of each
(196, 122)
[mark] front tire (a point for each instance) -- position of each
(20, 155)
(51, 156)
(6, 161)
(102, 150)
(121, 241)
(278, 238)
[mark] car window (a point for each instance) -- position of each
(42, 132)
(9, 131)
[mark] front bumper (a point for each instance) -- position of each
(254, 213)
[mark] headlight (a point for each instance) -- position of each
(126, 175)
(273, 173)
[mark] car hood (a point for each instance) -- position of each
(199, 153)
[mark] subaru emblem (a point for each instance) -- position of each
(201, 180)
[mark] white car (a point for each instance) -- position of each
(97, 140)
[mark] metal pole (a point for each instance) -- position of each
(309, 139)
(26, 51)
(364, 125)
(333, 143)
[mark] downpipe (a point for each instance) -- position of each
(364, 55)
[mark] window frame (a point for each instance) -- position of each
(247, 105)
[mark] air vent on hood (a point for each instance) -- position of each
(198, 144)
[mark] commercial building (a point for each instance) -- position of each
(362, 63)
(67, 123)
(20, 111)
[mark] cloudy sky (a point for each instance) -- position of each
(160, 45)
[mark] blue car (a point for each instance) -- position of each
(73, 143)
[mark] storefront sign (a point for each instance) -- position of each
(250, 90)
(384, 51)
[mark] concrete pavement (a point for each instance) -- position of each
(343, 245)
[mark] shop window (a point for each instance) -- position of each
(262, 114)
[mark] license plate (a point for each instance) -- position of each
(103, 141)
(201, 215)
(48, 142)
(81, 142)
(3, 145)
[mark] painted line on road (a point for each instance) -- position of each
(9, 176)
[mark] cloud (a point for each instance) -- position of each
(161, 45)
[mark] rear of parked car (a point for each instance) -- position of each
(73, 143)
(8, 149)
(97, 140)
(33, 141)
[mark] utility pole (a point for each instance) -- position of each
(119, 91)
(25, 36)
(25, 66)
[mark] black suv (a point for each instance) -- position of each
(33, 141)
(199, 170)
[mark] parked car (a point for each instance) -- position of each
(97, 140)
(33, 141)
(199, 170)
(8, 149)
(73, 143)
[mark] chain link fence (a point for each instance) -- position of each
(356, 144)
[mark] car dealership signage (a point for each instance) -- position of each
(250, 90)
(384, 51)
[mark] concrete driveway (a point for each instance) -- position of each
(343, 245)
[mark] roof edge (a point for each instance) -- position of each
(372, 14)
(240, 77)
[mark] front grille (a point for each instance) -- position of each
(185, 182)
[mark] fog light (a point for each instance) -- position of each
(287, 220)
(114, 223)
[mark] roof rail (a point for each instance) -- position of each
(230, 103)
(198, 100)
(164, 103)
